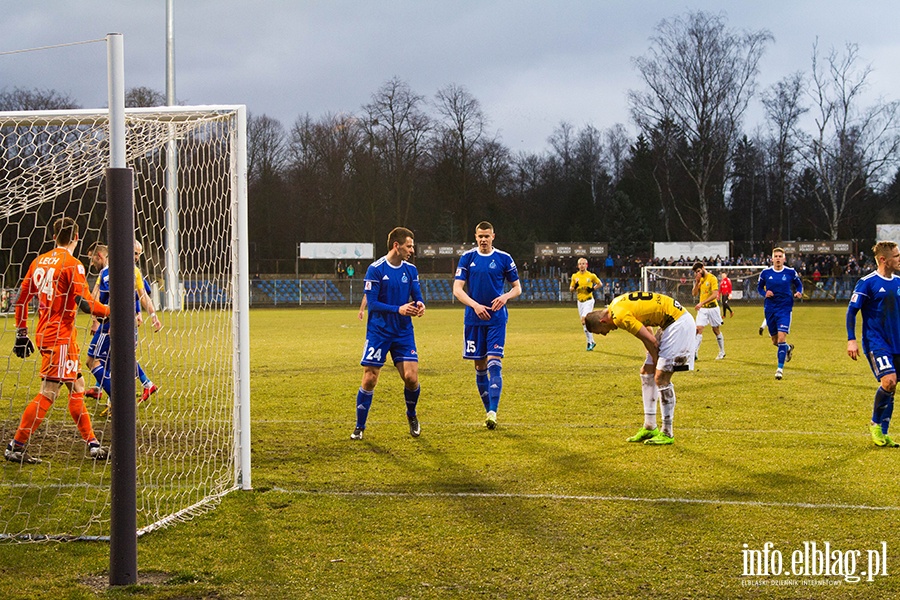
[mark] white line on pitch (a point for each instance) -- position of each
(583, 498)
(480, 425)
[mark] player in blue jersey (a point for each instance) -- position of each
(98, 351)
(480, 279)
(780, 285)
(389, 284)
(877, 296)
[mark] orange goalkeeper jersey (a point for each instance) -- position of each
(57, 279)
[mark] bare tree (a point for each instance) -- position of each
(460, 136)
(589, 161)
(265, 147)
(397, 127)
(782, 102)
(851, 147)
(141, 96)
(700, 76)
(562, 140)
(22, 99)
(615, 151)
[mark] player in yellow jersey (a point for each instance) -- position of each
(706, 286)
(670, 349)
(584, 283)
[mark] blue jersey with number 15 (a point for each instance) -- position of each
(485, 276)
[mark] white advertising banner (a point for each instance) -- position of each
(690, 250)
(336, 250)
(887, 233)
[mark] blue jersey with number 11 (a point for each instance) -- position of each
(878, 299)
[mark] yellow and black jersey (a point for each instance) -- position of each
(630, 311)
(708, 285)
(584, 284)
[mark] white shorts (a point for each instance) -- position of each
(676, 345)
(709, 316)
(585, 307)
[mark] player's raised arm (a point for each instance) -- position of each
(85, 300)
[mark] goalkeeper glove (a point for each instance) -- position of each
(23, 347)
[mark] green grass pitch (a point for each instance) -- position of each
(552, 504)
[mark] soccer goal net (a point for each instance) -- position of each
(189, 167)
(678, 282)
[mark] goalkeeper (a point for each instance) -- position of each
(584, 283)
(57, 279)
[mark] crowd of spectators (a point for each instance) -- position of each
(817, 267)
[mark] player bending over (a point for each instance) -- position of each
(670, 349)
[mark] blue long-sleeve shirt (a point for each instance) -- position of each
(387, 289)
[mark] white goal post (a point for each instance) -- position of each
(678, 281)
(193, 434)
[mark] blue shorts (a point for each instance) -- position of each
(402, 349)
(99, 347)
(778, 321)
(881, 362)
(481, 341)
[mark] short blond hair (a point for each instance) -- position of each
(884, 248)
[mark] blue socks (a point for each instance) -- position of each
(883, 409)
(105, 379)
(782, 354)
(98, 374)
(481, 381)
(495, 383)
(412, 398)
(363, 404)
(141, 375)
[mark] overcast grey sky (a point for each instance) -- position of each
(531, 64)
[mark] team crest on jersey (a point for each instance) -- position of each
(404, 279)
(493, 265)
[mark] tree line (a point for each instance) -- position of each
(823, 165)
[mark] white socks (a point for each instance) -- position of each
(650, 393)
